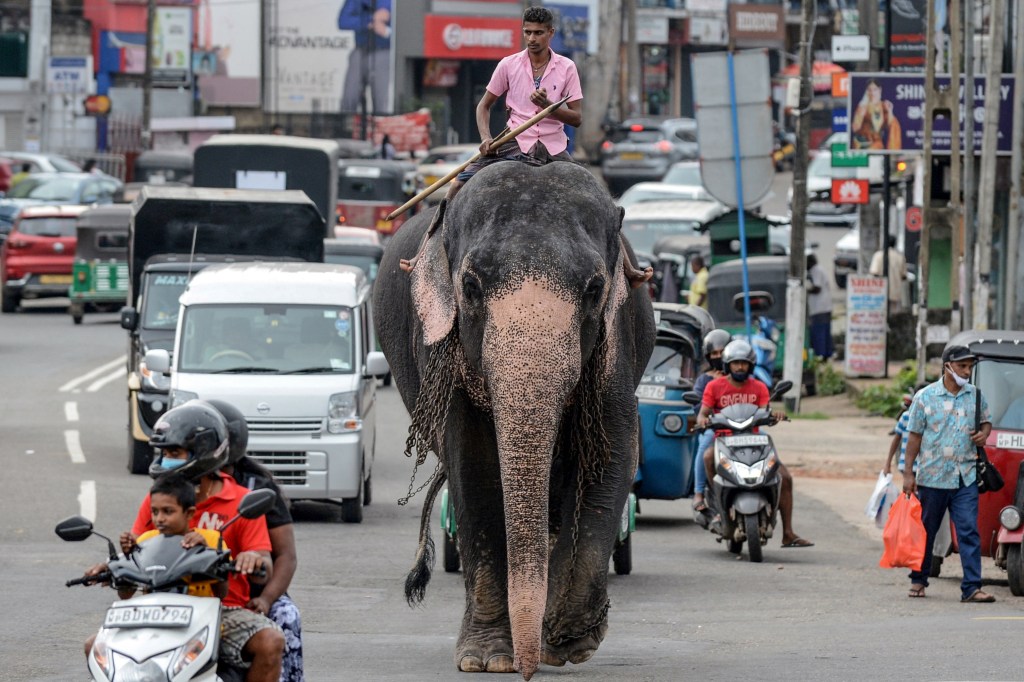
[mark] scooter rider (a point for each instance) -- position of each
(715, 342)
(739, 386)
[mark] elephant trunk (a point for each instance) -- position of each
(531, 359)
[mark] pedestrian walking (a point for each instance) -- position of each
(819, 308)
(943, 440)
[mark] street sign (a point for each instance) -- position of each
(754, 116)
(97, 105)
(841, 85)
(841, 158)
(851, 49)
(850, 191)
(840, 120)
(914, 219)
(71, 75)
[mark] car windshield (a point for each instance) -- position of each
(46, 189)
(643, 234)
(355, 188)
(160, 306)
(48, 227)
(670, 363)
(1002, 385)
(367, 264)
(268, 339)
(683, 175)
(64, 165)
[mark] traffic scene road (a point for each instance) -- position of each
(689, 609)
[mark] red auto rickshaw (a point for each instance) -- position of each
(370, 189)
(999, 374)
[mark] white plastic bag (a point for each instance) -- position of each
(878, 495)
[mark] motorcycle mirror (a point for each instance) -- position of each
(760, 301)
(781, 388)
(691, 398)
(74, 529)
(257, 503)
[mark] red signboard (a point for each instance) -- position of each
(850, 191)
(407, 132)
(914, 219)
(447, 37)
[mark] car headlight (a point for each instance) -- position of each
(179, 397)
(1010, 517)
(673, 423)
(155, 381)
(189, 652)
(343, 413)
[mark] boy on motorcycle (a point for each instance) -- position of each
(739, 386)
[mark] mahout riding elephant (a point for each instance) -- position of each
(517, 336)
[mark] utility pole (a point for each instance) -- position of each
(968, 184)
(147, 79)
(1013, 225)
(987, 181)
(632, 64)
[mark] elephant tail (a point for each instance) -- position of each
(418, 578)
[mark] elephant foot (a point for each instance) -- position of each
(485, 651)
(574, 650)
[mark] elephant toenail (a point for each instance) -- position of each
(548, 658)
(500, 663)
(578, 657)
(471, 664)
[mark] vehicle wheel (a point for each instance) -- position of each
(1015, 569)
(140, 454)
(10, 302)
(368, 490)
(387, 379)
(77, 319)
(352, 508)
(451, 555)
(622, 558)
(936, 567)
(753, 538)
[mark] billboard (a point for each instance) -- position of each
(886, 113)
(226, 59)
(325, 56)
(172, 46)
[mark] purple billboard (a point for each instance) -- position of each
(886, 113)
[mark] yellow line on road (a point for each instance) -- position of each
(999, 618)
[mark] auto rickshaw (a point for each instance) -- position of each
(999, 375)
(370, 189)
(99, 276)
(667, 439)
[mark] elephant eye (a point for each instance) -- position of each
(594, 290)
(471, 290)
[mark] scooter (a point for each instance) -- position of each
(743, 496)
(162, 634)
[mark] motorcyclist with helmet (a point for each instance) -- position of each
(193, 442)
(714, 343)
(738, 385)
(270, 599)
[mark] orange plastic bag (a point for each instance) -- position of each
(904, 535)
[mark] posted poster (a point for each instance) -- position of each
(866, 326)
(227, 55)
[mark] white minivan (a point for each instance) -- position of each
(292, 346)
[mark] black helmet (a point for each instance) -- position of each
(738, 350)
(238, 430)
(198, 428)
(716, 339)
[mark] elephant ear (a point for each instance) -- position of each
(433, 293)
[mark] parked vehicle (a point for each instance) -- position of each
(272, 162)
(438, 162)
(743, 496)
(43, 163)
(156, 167)
(37, 257)
(644, 224)
(7, 171)
(369, 190)
(641, 150)
(366, 257)
(357, 235)
(56, 188)
(175, 233)
(662, 191)
(99, 277)
(292, 346)
(162, 633)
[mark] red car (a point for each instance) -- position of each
(6, 173)
(37, 257)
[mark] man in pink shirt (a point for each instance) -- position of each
(530, 80)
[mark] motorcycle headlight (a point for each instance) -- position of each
(179, 397)
(673, 423)
(750, 473)
(343, 413)
(101, 654)
(1010, 517)
(155, 381)
(189, 652)
(147, 671)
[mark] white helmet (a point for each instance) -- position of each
(738, 350)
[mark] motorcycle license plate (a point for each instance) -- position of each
(745, 441)
(650, 391)
(148, 617)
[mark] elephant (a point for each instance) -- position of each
(517, 337)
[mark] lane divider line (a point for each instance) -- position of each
(118, 373)
(71, 411)
(87, 500)
(74, 446)
(93, 373)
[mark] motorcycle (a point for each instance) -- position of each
(163, 633)
(765, 335)
(743, 496)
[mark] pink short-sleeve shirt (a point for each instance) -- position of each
(514, 76)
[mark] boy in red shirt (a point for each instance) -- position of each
(738, 386)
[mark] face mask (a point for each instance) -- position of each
(715, 363)
(960, 381)
(172, 463)
(739, 376)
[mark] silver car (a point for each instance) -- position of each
(642, 150)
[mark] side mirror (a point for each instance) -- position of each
(691, 398)
(257, 503)
(158, 360)
(376, 364)
(129, 318)
(74, 529)
(781, 389)
(760, 301)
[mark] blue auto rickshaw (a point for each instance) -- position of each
(667, 437)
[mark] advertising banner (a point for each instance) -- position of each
(447, 37)
(866, 326)
(887, 113)
(325, 57)
(227, 55)
(71, 75)
(172, 46)
(407, 132)
(907, 50)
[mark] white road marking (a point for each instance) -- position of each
(71, 411)
(87, 500)
(118, 373)
(74, 446)
(89, 375)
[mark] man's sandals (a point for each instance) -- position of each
(797, 542)
(978, 597)
(916, 592)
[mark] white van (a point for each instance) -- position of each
(292, 346)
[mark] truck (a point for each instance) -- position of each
(174, 233)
